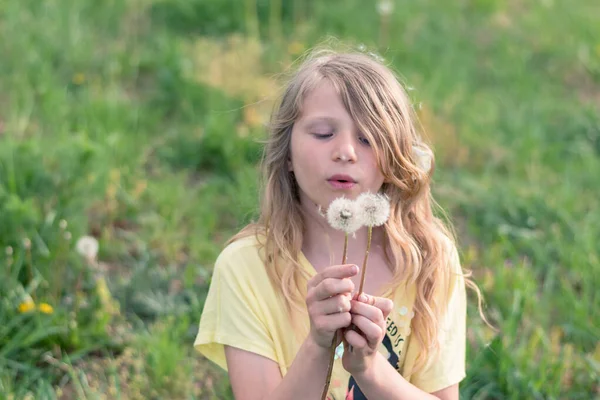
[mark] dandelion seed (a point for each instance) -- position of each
(87, 246)
(374, 209)
(62, 224)
(342, 215)
(45, 308)
(422, 158)
(26, 306)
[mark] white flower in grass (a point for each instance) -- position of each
(385, 7)
(374, 209)
(342, 215)
(87, 246)
(422, 158)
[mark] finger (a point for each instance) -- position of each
(371, 331)
(372, 313)
(332, 287)
(355, 340)
(333, 305)
(384, 304)
(333, 322)
(335, 271)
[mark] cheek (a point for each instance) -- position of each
(377, 176)
(302, 156)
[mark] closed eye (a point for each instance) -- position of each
(322, 135)
(364, 140)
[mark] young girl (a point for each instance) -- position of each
(344, 126)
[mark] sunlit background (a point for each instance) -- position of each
(129, 139)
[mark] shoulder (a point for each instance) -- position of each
(450, 255)
(453, 282)
(243, 256)
(249, 244)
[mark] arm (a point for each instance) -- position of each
(382, 381)
(374, 375)
(254, 377)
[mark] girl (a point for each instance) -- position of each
(344, 126)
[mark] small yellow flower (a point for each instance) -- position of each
(45, 308)
(78, 78)
(26, 306)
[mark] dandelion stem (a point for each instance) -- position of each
(344, 253)
(364, 268)
(336, 337)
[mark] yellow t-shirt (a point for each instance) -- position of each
(243, 310)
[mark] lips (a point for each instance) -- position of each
(341, 181)
(342, 178)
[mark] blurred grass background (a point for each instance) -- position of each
(137, 121)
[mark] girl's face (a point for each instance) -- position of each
(329, 156)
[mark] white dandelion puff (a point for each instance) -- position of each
(374, 209)
(63, 224)
(422, 158)
(342, 215)
(87, 246)
(9, 251)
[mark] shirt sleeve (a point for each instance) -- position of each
(448, 367)
(232, 314)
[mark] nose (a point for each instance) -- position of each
(344, 149)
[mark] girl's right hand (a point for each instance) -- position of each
(328, 302)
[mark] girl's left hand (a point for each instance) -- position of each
(369, 315)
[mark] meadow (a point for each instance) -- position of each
(138, 123)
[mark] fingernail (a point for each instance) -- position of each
(363, 297)
(355, 269)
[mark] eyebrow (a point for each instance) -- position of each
(316, 120)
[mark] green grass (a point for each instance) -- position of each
(134, 121)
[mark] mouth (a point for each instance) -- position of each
(342, 182)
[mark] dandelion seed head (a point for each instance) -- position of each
(342, 215)
(87, 246)
(9, 251)
(374, 209)
(27, 243)
(62, 224)
(67, 236)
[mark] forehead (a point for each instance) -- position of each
(323, 104)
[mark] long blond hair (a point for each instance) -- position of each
(420, 243)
